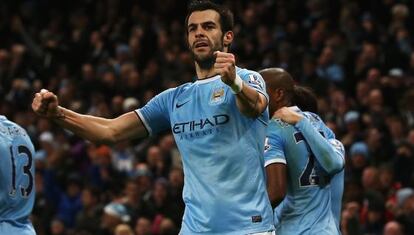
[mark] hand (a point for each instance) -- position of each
(45, 104)
(288, 115)
(225, 65)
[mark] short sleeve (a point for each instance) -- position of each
(254, 80)
(274, 151)
(155, 115)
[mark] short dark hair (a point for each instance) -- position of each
(305, 99)
(226, 16)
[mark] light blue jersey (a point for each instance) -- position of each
(337, 190)
(225, 187)
(17, 190)
(312, 157)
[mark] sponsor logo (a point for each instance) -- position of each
(177, 105)
(201, 124)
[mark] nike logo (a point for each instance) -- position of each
(179, 105)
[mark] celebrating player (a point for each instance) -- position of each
(219, 124)
(302, 153)
(17, 191)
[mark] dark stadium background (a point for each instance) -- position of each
(108, 57)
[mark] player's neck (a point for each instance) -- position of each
(204, 73)
(284, 103)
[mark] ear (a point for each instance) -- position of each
(228, 39)
(279, 94)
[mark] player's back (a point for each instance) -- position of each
(306, 208)
(16, 179)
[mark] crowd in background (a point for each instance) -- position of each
(109, 57)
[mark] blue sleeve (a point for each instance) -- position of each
(254, 80)
(155, 115)
(273, 151)
(331, 160)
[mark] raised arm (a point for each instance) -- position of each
(95, 129)
(327, 152)
(249, 101)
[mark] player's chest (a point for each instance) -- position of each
(202, 109)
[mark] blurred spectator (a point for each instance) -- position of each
(114, 215)
(393, 228)
(143, 226)
(123, 229)
(88, 218)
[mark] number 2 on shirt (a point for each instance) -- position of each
(308, 177)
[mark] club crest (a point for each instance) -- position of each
(217, 96)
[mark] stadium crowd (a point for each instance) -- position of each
(108, 57)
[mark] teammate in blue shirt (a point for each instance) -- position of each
(219, 124)
(302, 157)
(17, 192)
(306, 100)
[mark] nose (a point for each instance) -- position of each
(199, 32)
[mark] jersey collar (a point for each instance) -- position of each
(207, 80)
(295, 108)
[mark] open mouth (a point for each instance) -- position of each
(200, 44)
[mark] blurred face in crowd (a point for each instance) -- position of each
(143, 226)
(57, 227)
(411, 136)
(386, 177)
(176, 178)
(160, 192)
(408, 206)
(110, 221)
(88, 199)
(370, 178)
(393, 228)
(358, 161)
(132, 190)
(205, 36)
(412, 61)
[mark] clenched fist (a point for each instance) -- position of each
(225, 65)
(45, 104)
(288, 115)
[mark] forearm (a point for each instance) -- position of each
(250, 102)
(86, 126)
(324, 152)
(100, 130)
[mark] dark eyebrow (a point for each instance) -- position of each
(209, 23)
(202, 23)
(191, 25)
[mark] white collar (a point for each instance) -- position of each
(294, 108)
(207, 80)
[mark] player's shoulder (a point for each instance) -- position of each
(276, 126)
(176, 91)
(318, 123)
(11, 128)
(243, 72)
(312, 117)
(250, 76)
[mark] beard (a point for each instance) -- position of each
(207, 61)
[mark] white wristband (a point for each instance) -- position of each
(237, 85)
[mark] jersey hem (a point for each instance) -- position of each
(269, 162)
(149, 130)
